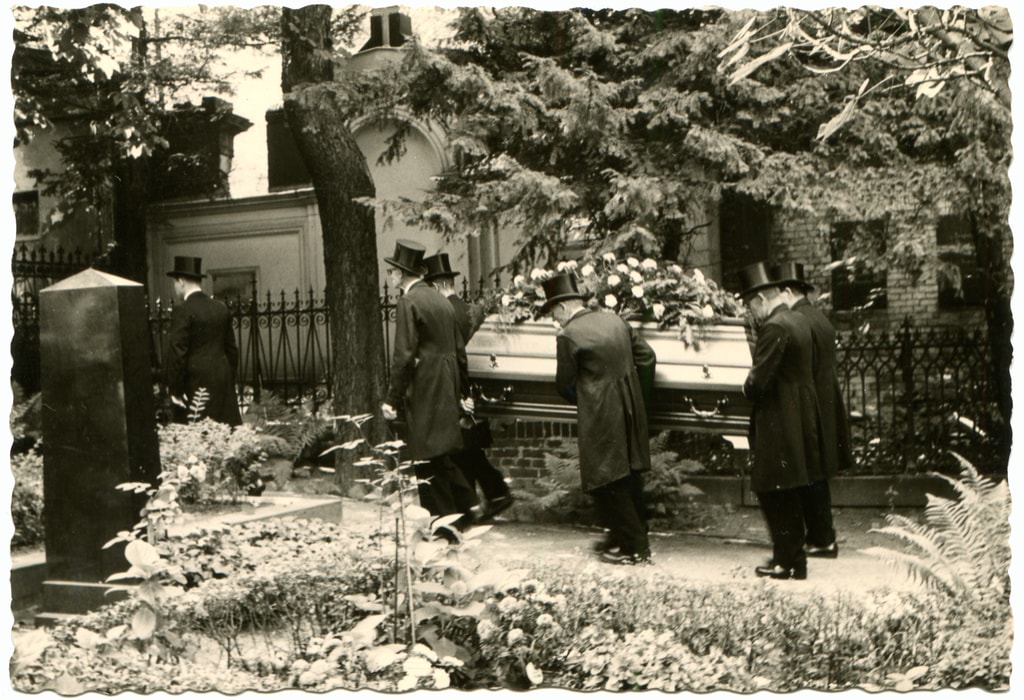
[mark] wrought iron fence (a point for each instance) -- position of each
(284, 343)
(33, 269)
(912, 394)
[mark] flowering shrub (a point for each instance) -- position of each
(646, 290)
(212, 461)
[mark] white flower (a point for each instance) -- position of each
(518, 280)
(659, 310)
(486, 629)
(506, 300)
(514, 635)
(570, 265)
(406, 683)
(698, 276)
(649, 264)
(587, 270)
(676, 269)
(183, 472)
(622, 267)
(545, 620)
(610, 301)
(441, 679)
(636, 277)
(417, 666)
(563, 266)
(638, 291)
(608, 257)
(519, 294)
(632, 262)
(535, 675)
(538, 274)
(614, 280)
(707, 311)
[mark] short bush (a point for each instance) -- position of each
(27, 498)
(212, 460)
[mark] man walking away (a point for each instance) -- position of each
(201, 351)
(602, 366)
(835, 432)
(784, 422)
(428, 376)
(471, 460)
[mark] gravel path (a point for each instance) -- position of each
(727, 551)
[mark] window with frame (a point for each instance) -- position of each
(26, 213)
(236, 283)
(856, 286)
(962, 280)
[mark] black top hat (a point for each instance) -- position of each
(408, 256)
(559, 288)
(754, 278)
(190, 268)
(438, 266)
(791, 273)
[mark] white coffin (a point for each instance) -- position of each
(697, 386)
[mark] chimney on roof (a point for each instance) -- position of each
(389, 28)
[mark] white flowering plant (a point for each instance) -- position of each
(645, 290)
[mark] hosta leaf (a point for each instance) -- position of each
(365, 633)
(144, 622)
(432, 587)
(379, 658)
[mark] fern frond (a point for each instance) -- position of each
(919, 570)
(962, 546)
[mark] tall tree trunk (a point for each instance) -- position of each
(999, 317)
(340, 175)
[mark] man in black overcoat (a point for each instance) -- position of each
(429, 378)
(201, 351)
(835, 433)
(603, 364)
(785, 422)
(472, 459)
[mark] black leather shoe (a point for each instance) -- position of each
(614, 556)
(498, 505)
(829, 552)
(780, 572)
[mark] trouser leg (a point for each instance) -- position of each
(617, 510)
(784, 516)
(447, 491)
(492, 481)
(816, 501)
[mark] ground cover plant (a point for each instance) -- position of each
(304, 604)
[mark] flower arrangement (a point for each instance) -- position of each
(645, 290)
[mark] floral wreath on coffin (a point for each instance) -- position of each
(641, 290)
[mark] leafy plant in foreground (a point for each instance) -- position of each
(963, 547)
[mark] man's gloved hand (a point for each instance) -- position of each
(388, 411)
(468, 405)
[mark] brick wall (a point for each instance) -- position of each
(806, 239)
(519, 446)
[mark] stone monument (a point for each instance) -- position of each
(99, 428)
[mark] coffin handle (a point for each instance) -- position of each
(479, 395)
(720, 406)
